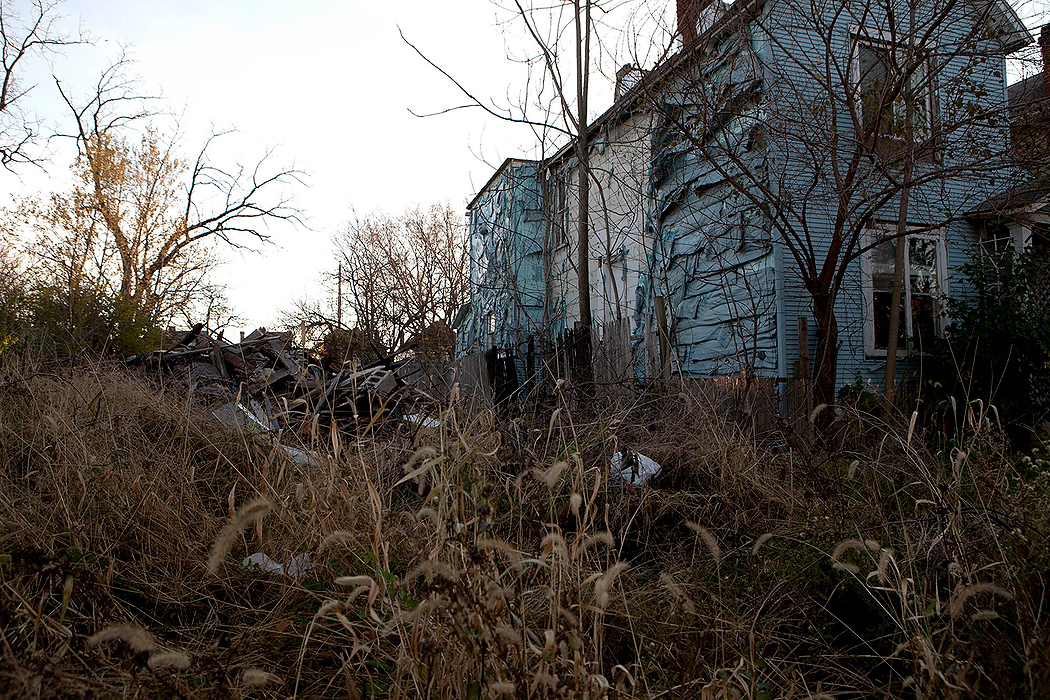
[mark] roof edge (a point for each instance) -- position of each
(1014, 35)
(506, 164)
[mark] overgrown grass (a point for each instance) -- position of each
(495, 556)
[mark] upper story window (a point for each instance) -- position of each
(559, 190)
(891, 80)
(924, 275)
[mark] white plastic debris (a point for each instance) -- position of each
(296, 567)
(239, 417)
(303, 457)
(422, 421)
(634, 467)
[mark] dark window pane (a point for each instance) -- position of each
(1041, 237)
(874, 63)
(881, 307)
(882, 258)
(923, 321)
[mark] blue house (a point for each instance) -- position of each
(753, 190)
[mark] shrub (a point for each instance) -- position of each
(66, 323)
(997, 349)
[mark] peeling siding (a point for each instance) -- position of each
(506, 236)
(713, 259)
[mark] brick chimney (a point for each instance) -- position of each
(697, 16)
(689, 20)
(1044, 45)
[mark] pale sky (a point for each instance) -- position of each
(327, 85)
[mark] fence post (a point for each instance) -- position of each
(665, 343)
(803, 360)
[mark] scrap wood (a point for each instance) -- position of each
(217, 359)
(328, 392)
(232, 354)
(266, 365)
(289, 364)
(190, 336)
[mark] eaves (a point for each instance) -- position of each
(499, 171)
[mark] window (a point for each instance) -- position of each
(996, 238)
(559, 187)
(887, 75)
(920, 297)
(1040, 239)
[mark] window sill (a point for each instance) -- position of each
(901, 354)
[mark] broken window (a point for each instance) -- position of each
(996, 238)
(920, 296)
(888, 76)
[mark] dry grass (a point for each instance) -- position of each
(494, 557)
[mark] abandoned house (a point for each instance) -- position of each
(752, 191)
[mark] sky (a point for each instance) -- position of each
(326, 85)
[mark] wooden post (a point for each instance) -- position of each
(339, 298)
(803, 360)
(665, 342)
(530, 362)
(803, 347)
(302, 332)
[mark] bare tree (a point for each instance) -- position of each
(854, 129)
(404, 277)
(564, 48)
(22, 36)
(148, 218)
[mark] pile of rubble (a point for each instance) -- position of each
(271, 384)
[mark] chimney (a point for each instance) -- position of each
(1044, 45)
(695, 17)
(688, 20)
(626, 78)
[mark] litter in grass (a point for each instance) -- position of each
(422, 421)
(633, 467)
(297, 566)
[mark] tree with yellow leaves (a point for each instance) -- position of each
(142, 223)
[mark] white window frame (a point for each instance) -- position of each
(885, 39)
(889, 230)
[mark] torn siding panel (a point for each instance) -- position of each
(618, 202)
(506, 237)
(713, 260)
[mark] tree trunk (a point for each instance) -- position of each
(896, 298)
(583, 35)
(825, 371)
(901, 249)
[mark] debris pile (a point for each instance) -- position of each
(273, 385)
